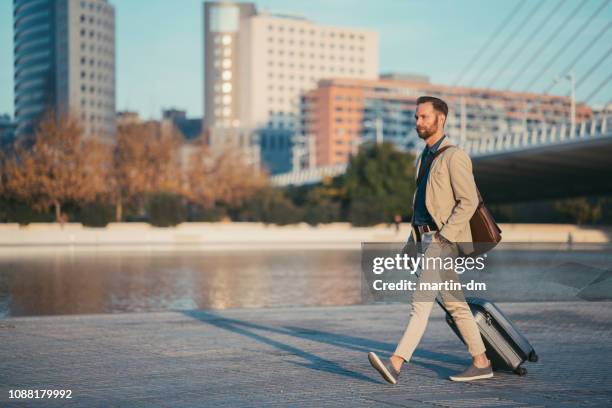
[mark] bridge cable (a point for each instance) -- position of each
(525, 43)
(565, 46)
(594, 67)
(598, 89)
(482, 50)
(545, 44)
(506, 42)
(567, 69)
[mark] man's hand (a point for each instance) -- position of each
(440, 238)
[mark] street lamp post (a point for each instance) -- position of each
(571, 76)
(379, 130)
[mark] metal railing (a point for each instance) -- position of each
(308, 176)
(543, 136)
(597, 127)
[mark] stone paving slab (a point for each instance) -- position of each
(303, 357)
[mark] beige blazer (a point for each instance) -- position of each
(450, 195)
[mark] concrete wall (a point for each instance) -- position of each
(256, 235)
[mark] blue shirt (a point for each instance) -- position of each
(421, 215)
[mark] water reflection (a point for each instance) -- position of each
(49, 281)
(62, 281)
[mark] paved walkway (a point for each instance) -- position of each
(310, 357)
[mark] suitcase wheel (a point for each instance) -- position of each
(533, 357)
(521, 371)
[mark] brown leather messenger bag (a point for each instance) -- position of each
(486, 234)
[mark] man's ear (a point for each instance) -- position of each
(443, 122)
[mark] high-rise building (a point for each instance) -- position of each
(257, 65)
(64, 56)
(127, 118)
(190, 128)
(340, 114)
(7, 131)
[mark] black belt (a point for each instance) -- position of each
(426, 228)
(421, 229)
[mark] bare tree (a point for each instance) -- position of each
(163, 170)
(127, 175)
(58, 168)
(145, 159)
(221, 177)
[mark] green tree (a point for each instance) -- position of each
(323, 203)
(270, 206)
(165, 209)
(379, 184)
(579, 210)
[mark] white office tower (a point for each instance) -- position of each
(64, 56)
(257, 67)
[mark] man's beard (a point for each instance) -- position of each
(425, 133)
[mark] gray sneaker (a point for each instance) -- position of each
(385, 369)
(473, 373)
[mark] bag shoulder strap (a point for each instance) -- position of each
(439, 152)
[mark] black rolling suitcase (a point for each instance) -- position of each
(506, 347)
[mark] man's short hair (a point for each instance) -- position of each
(438, 104)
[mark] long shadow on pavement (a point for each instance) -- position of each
(339, 340)
(314, 362)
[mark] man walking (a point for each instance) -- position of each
(445, 200)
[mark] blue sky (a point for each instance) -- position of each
(159, 44)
